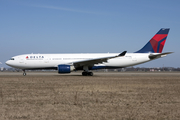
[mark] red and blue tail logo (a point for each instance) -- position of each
(156, 44)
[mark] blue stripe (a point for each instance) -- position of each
(98, 67)
(146, 49)
(103, 67)
(163, 31)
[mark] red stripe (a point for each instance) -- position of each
(154, 42)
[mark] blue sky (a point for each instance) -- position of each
(87, 26)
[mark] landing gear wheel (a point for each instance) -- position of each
(87, 73)
(90, 73)
(84, 73)
(24, 74)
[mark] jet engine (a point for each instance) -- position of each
(65, 68)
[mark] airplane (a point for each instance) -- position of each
(67, 63)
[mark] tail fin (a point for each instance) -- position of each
(156, 44)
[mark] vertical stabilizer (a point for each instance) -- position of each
(156, 44)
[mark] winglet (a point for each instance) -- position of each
(122, 54)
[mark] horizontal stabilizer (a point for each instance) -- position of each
(152, 56)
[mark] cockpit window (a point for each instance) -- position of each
(12, 59)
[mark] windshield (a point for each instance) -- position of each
(12, 59)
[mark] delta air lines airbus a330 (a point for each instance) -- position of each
(66, 63)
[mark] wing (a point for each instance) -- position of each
(91, 62)
(155, 56)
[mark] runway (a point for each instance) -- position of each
(116, 95)
(47, 73)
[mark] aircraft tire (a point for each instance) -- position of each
(84, 73)
(90, 73)
(87, 73)
(24, 74)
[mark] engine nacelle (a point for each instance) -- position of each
(65, 68)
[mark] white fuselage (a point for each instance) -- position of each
(66, 63)
(40, 61)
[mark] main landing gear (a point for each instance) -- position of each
(87, 73)
(24, 72)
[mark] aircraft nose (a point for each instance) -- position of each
(7, 62)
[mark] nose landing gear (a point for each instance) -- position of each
(24, 73)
